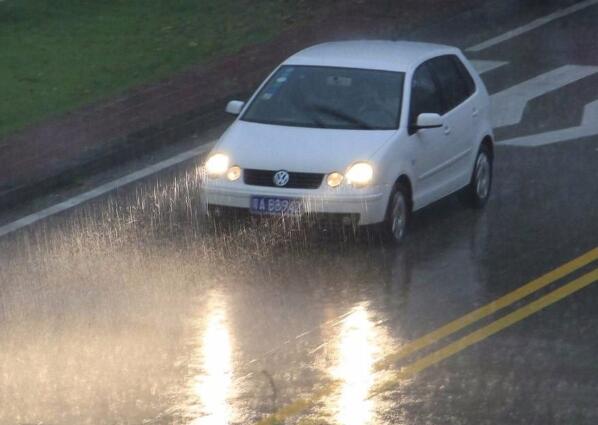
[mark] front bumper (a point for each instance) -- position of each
(368, 203)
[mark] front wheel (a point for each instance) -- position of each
(477, 192)
(394, 227)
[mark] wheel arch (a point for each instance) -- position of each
(405, 181)
(488, 143)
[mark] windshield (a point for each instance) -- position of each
(329, 97)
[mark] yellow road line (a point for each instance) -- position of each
(490, 329)
(298, 406)
(302, 405)
(489, 309)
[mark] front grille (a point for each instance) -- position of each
(296, 180)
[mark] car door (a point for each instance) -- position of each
(459, 114)
(429, 145)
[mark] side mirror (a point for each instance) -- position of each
(235, 107)
(426, 120)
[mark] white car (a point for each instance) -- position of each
(367, 130)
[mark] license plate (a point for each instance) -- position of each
(274, 205)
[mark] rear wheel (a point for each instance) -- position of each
(477, 192)
(394, 227)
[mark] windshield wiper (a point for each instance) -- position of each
(313, 117)
(343, 116)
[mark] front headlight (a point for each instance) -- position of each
(233, 173)
(334, 179)
(360, 174)
(217, 165)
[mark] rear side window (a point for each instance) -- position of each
(454, 87)
(425, 94)
(465, 75)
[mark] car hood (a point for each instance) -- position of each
(274, 147)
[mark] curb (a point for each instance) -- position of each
(119, 151)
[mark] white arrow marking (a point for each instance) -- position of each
(483, 66)
(508, 105)
(588, 127)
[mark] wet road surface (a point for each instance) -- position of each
(133, 309)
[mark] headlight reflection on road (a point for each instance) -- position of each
(357, 351)
(211, 386)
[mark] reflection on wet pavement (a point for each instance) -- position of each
(357, 349)
(359, 346)
(211, 387)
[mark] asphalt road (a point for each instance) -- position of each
(131, 309)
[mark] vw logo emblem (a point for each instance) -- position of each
(281, 178)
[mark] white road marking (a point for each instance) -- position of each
(508, 105)
(588, 127)
(103, 189)
(483, 66)
(532, 25)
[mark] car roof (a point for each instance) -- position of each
(370, 54)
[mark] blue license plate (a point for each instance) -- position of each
(275, 205)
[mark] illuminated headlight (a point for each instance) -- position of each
(334, 179)
(233, 173)
(360, 174)
(217, 165)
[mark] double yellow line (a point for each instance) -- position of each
(491, 308)
(464, 321)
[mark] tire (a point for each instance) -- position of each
(398, 214)
(476, 193)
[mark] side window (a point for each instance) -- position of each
(465, 76)
(453, 86)
(425, 96)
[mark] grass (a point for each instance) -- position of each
(58, 55)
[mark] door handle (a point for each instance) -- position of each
(475, 113)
